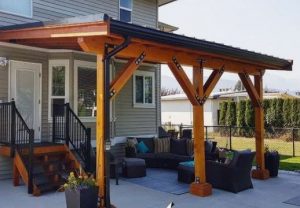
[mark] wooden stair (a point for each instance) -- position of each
(51, 167)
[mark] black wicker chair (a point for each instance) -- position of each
(234, 177)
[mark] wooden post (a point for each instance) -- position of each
(199, 187)
(100, 164)
(260, 172)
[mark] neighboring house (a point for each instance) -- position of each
(176, 109)
(37, 78)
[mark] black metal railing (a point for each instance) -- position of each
(67, 128)
(284, 140)
(15, 133)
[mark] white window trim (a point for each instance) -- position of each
(85, 64)
(53, 63)
(21, 15)
(127, 9)
(144, 105)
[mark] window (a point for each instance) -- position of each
(58, 83)
(143, 90)
(125, 10)
(17, 7)
(85, 82)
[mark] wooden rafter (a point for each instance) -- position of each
(125, 74)
(253, 94)
(184, 81)
(212, 82)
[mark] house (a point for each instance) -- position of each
(176, 109)
(108, 38)
(38, 78)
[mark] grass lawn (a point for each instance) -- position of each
(285, 149)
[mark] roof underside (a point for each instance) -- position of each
(64, 34)
(164, 2)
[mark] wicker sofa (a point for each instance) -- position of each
(179, 151)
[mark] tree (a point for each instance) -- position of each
(278, 113)
(287, 112)
(239, 86)
(231, 114)
(240, 117)
(223, 110)
(249, 114)
(295, 112)
(165, 91)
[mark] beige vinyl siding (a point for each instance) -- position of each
(144, 11)
(131, 121)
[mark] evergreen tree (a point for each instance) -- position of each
(266, 106)
(287, 112)
(223, 110)
(240, 113)
(278, 113)
(270, 113)
(294, 112)
(249, 114)
(231, 114)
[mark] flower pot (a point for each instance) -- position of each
(272, 163)
(82, 198)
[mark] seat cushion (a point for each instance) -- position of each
(161, 145)
(134, 162)
(146, 155)
(172, 156)
(178, 146)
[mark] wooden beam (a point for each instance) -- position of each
(253, 94)
(199, 187)
(118, 83)
(212, 82)
(160, 54)
(260, 172)
(184, 81)
(57, 31)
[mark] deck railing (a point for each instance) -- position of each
(14, 132)
(67, 128)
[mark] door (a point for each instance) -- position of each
(25, 89)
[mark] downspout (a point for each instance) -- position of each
(106, 60)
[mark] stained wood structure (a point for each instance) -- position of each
(109, 38)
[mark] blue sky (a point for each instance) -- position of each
(268, 26)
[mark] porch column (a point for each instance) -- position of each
(260, 172)
(100, 162)
(199, 187)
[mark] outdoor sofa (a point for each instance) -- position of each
(179, 150)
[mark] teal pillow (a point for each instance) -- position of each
(142, 148)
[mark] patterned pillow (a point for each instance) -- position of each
(161, 145)
(190, 147)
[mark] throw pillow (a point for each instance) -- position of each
(142, 148)
(161, 145)
(149, 142)
(190, 147)
(178, 146)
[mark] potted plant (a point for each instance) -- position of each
(81, 191)
(272, 159)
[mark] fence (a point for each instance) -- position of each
(284, 140)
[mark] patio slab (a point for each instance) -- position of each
(268, 194)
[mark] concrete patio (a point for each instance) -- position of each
(271, 193)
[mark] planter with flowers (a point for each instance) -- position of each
(81, 191)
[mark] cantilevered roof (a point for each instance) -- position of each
(64, 34)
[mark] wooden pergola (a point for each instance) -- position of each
(109, 38)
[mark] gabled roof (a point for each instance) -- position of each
(64, 34)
